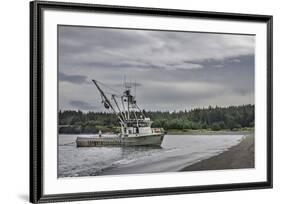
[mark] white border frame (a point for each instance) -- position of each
(52, 185)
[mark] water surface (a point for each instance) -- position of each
(176, 152)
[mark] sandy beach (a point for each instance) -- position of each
(237, 157)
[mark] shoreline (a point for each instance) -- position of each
(239, 156)
(221, 132)
(209, 132)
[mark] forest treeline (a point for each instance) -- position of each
(211, 118)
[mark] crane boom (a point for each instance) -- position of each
(107, 100)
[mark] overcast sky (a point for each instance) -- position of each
(174, 70)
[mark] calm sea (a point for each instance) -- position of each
(177, 152)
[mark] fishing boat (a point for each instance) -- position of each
(135, 127)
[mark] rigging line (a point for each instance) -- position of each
(107, 101)
(124, 109)
(110, 93)
(66, 144)
(121, 113)
(141, 111)
(103, 84)
(136, 117)
(135, 88)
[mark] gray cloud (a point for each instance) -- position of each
(173, 70)
(81, 105)
(76, 79)
(109, 48)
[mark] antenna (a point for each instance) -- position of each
(124, 83)
(135, 88)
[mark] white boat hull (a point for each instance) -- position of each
(143, 140)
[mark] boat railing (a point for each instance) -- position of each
(157, 130)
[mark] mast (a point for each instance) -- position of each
(107, 102)
(127, 111)
(121, 113)
(141, 112)
(123, 105)
(128, 95)
(128, 108)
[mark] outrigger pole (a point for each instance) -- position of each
(107, 102)
(121, 113)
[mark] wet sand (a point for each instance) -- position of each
(237, 157)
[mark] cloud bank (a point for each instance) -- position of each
(176, 70)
